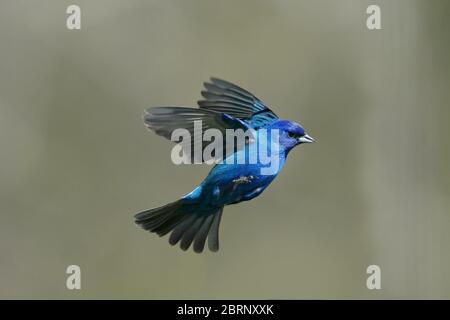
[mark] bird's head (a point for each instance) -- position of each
(291, 133)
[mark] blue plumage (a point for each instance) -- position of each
(196, 216)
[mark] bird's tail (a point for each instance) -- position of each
(186, 225)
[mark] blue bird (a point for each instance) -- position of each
(196, 216)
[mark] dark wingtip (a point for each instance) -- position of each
(184, 248)
(214, 249)
(197, 250)
(206, 84)
(218, 81)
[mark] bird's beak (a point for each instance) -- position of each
(306, 139)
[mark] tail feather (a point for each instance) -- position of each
(189, 235)
(213, 236)
(200, 238)
(179, 231)
(160, 220)
(187, 226)
(171, 223)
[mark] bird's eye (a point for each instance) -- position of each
(292, 135)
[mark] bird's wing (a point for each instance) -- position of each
(226, 97)
(165, 120)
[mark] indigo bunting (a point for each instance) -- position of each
(196, 216)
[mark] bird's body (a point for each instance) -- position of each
(196, 216)
(233, 183)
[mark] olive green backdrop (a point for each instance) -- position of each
(77, 161)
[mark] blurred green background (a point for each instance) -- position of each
(77, 161)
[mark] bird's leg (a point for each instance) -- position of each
(243, 179)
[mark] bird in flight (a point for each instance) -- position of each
(195, 217)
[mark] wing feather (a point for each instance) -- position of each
(165, 120)
(226, 97)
